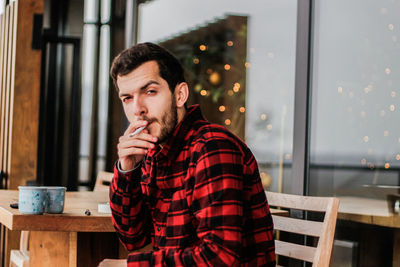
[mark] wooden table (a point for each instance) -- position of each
(375, 212)
(61, 239)
(57, 239)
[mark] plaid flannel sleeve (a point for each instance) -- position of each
(130, 216)
(217, 202)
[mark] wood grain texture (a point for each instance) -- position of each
(292, 202)
(295, 251)
(47, 249)
(26, 96)
(309, 228)
(73, 219)
(319, 255)
(368, 211)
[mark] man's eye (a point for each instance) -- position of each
(126, 98)
(150, 91)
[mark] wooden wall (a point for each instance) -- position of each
(19, 102)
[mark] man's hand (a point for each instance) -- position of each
(131, 149)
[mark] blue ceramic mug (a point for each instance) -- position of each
(31, 199)
(55, 199)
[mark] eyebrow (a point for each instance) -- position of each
(143, 87)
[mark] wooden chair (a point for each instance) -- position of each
(103, 181)
(324, 231)
(20, 258)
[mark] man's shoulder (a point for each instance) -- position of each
(206, 134)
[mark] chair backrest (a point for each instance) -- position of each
(323, 230)
(103, 181)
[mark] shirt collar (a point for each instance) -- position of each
(176, 141)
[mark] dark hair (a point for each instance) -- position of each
(169, 67)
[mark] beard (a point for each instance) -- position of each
(167, 123)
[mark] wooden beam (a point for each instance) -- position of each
(26, 98)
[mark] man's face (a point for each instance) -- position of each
(146, 96)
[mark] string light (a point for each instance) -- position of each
(391, 27)
(287, 156)
(271, 55)
(203, 47)
(229, 43)
(398, 157)
(269, 127)
(393, 94)
(363, 161)
(242, 109)
(263, 117)
(228, 122)
(221, 108)
(197, 87)
(230, 92)
(387, 165)
(370, 165)
(247, 65)
(366, 90)
(266, 179)
(236, 87)
(366, 139)
(385, 133)
(340, 89)
(209, 71)
(215, 78)
(203, 92)
(196, 61)
(227, 67)
(392, 107)
(387, 71)
(382, 113)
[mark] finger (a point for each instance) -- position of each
(137, 131)
(144, 136)
(133, 126)
(136, 143)
(133, 151)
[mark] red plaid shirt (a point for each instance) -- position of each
(199, 200)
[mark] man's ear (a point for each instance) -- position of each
(181, 94)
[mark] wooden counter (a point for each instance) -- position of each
(367, 210)
(375, 212)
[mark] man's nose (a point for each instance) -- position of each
(139, 108)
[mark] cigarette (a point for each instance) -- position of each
(137, 131)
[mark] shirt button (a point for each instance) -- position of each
(158, 229)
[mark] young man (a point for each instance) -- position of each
(189, 187)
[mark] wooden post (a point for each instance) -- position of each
(19, 100)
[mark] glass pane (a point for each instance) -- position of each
(355, 130)
(239, 60)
